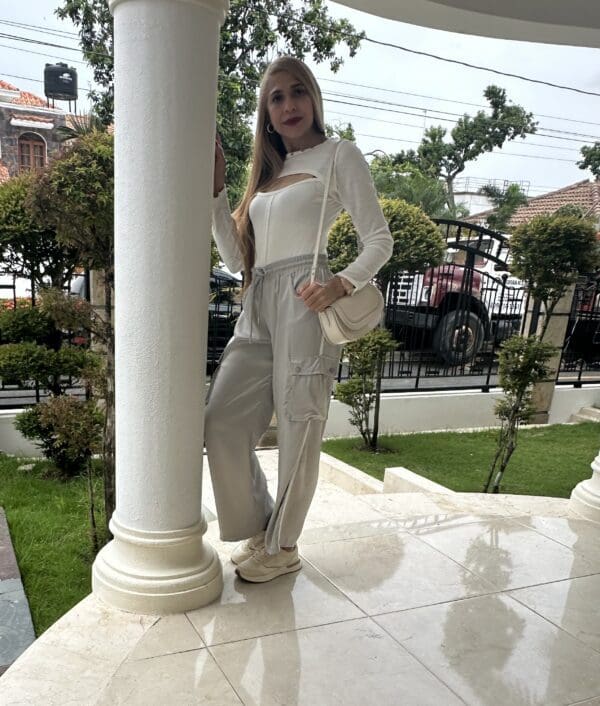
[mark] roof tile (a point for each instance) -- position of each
(585, 194)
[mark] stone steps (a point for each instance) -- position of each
(586, 414)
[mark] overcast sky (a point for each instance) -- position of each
(548, 162)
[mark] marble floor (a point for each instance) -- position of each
(403, 599)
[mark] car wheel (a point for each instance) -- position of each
(458, 337)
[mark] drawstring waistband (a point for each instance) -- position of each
(258, 276)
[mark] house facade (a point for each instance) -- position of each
(28, 131)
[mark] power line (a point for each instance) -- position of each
(40, 29)
(28, 78)
(48, 56)
(417, 52)
(445, 100)
(504, 154)
(447, 120)
(468, 65)
(527, 143)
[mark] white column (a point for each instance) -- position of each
(585, 498)
(166, 65)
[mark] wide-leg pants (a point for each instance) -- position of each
(276, 360)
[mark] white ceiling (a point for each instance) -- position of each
(576, 22)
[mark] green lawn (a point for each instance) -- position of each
(547, 461)
(49, 526)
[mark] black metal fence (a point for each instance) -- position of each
(449, 321)
(580, 359)
(23, 393)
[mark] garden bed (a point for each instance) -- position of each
(548, 460)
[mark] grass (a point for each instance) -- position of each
(49, 526)
(548, 460)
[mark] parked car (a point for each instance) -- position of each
(459, 305)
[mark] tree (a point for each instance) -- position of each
(549, 252)
(418, 243)
(522, 363)
(406, 182)
(471, 137)
(75, 196)
(591, 159)
(254, 31)
(506, 202)
(29, 245)
(363, 390)
(344, 132)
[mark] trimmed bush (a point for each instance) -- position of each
(418, 242)
(67, 430)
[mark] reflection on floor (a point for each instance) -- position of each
(404, 599)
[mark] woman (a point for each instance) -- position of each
(277, 358)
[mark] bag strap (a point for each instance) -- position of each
(313, 271)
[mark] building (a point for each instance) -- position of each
(584, 194)
(28, 131)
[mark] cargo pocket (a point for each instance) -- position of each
(309, 386)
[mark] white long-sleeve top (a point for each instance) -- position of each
(285, 220)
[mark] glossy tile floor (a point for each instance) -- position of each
(404, 599)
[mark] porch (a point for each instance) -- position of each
(404, 598)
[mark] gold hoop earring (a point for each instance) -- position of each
(270, 129)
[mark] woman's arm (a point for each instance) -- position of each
(223, 226)
(355, 192)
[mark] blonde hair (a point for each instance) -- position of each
(269, 151)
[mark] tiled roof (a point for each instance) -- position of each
(5, 85)
(28, 117)
(585, 194)
(25, 98)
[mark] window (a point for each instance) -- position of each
(32, 152)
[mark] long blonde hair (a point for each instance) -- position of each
(269, 151)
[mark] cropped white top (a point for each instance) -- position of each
(285, 221)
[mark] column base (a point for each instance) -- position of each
(157, 572)
(585, 499)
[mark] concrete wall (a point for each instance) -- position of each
(432, 411)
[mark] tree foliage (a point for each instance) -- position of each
(362, 390)
(522, 363)
(29, 245)
(418, 242)
(591, 159)
(74, 197)
(549, 252)
(406, 182)
(506, 202)
(254, 32)
(471, 137)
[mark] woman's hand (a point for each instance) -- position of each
(219, 177)
(318, 297)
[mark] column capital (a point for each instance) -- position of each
(219, 7)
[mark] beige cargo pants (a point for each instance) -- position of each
(276, 360)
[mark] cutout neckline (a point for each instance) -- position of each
(309, 177)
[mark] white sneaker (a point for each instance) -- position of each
(261, 567)
(246, 549)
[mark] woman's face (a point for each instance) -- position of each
(289, 106)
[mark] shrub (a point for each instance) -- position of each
(418, 242)
(67, 430)
(362, 391)
(25, 324)
(28, 363)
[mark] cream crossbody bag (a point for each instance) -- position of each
(349, 317)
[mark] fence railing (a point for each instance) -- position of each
(449, 323)
(580, 357)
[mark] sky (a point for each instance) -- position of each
(542, 162)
